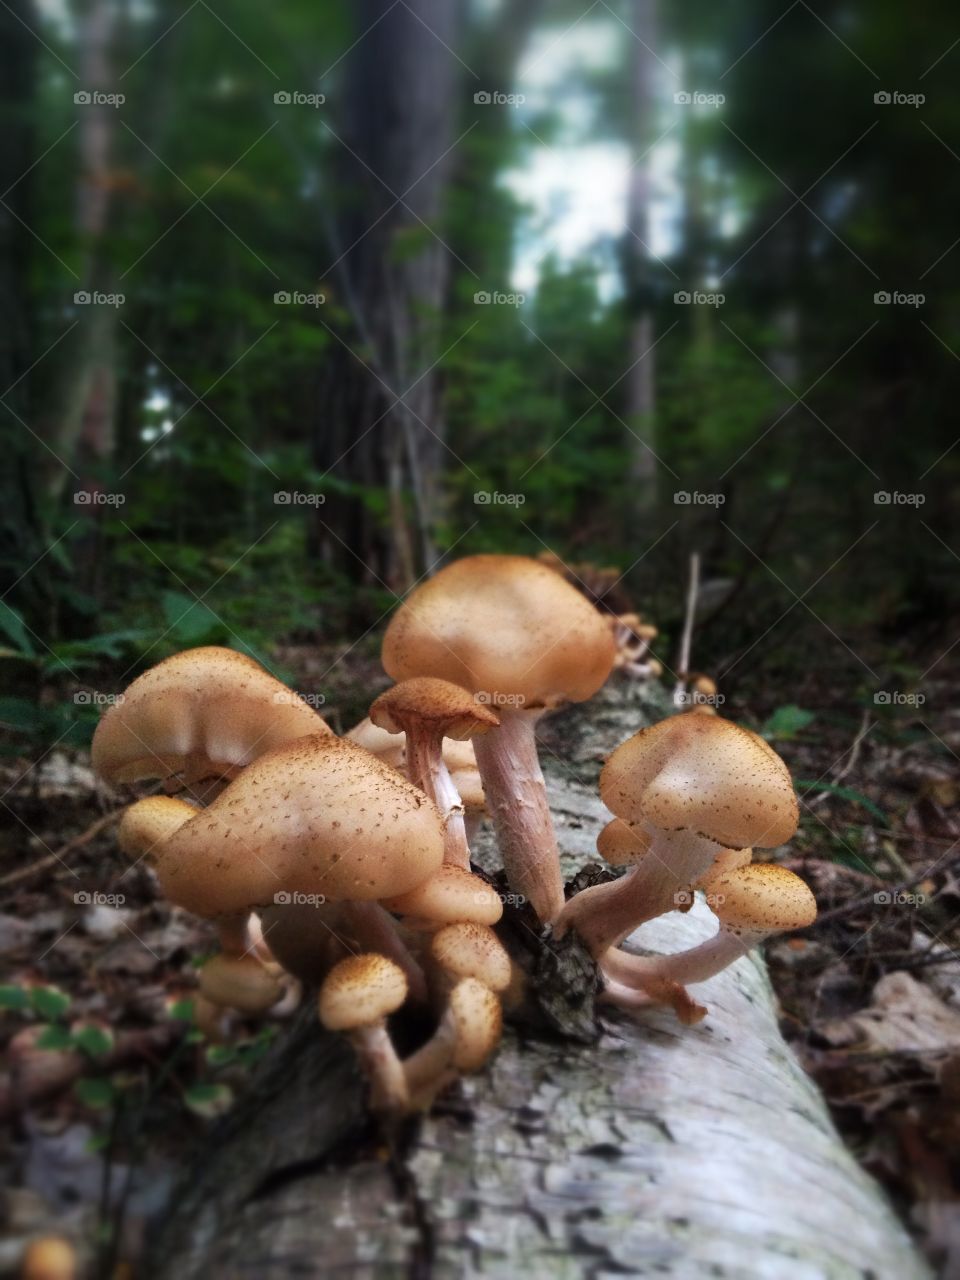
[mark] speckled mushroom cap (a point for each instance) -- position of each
(148, 822)
(451, 894)
(502, 626)
(478, 1018)
(763, 897)
(239, 982)
(726, 860)
(360, 991)
(446, 709)
(702, 774)
(320, 816)
(205, 713)
(468, 950)
(622, 845)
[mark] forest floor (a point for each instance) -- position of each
(109, 1087)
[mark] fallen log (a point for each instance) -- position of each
(645, 1149)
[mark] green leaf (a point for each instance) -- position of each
(54, 1037)
(15, 629)
(209, 1100)
(190, 621)
(846, 793)
(182, 1010)
(93, 1041)
(49, 1002)
(221, 1055)
(94, 1093)
(12, 997)
(23, 715)
(787, 722)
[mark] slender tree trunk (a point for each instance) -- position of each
(641, 386)
(379, 425)
(635, 1146)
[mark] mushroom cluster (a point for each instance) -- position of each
(344, 865)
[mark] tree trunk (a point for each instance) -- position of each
(641, 387)
(379, 421)
(639, 1147)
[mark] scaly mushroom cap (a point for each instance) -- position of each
(148, 822)
(445, 708)
(320, 816)
(502, 626)
(451, 894)
(478, 1019)
(726, 860)
(622, 845)
(360, 991)
(703, 774)
(764, 897)
(204, 713)
(239, 982)
(467, 950)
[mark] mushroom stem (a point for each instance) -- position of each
(375, 930)
(430, 1068)
(428, 771)
(382, 1067)
(234, 932)
(696, 964)
(517, 800)
(605, 914)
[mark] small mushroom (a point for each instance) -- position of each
(696, 785)
(427, 710)
(751, 902)
(451, 894)
(468, 950)
(204, 713)
(356, 997)
(522, 640)
(239, 982)
(467, 1035)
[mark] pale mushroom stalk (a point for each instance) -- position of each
(382, 1067)
(466, 1036)
(697, 964)
(517, 799)
(356, 997)
(428, 770)
(607, 913)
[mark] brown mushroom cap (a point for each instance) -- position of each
(622, 845)
(478, 1019)
(148, 822)
(468, 950)
(764, 897)
(360, 991)
(451, 894)
(239, 982)
(726, 860)
(502, 626)
(703, 774)
(204, 712)
(445, 708)
(319, 816)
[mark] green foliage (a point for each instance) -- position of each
(787, 722)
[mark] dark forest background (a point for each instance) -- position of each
(150, 444)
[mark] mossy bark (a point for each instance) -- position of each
(629, 1146)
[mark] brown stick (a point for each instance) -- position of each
(24, 873)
